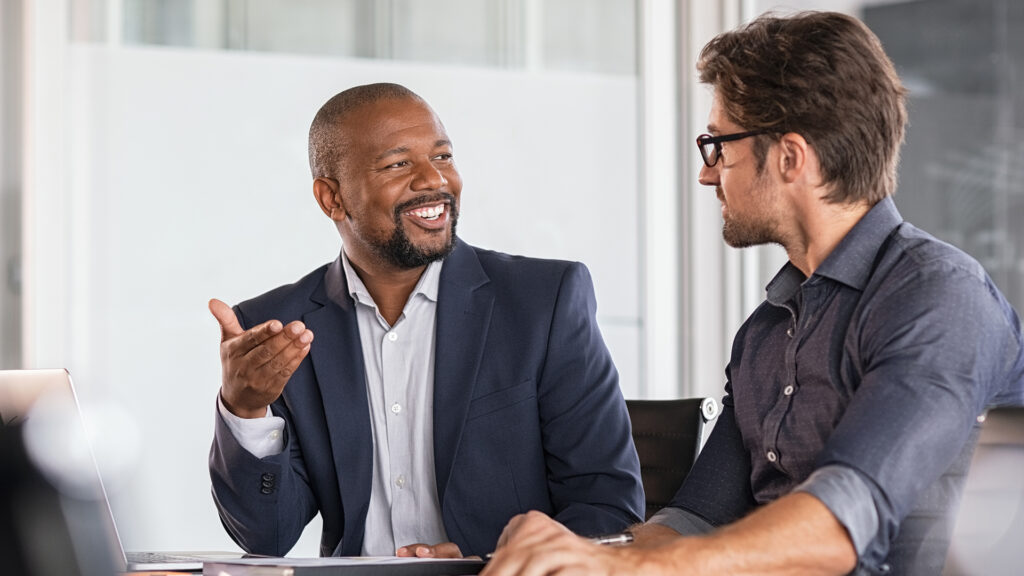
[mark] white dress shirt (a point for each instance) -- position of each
(399, 360)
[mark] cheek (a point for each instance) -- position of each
(454, 182)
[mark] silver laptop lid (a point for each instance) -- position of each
(43, 404)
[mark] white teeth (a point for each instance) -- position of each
(431, 213)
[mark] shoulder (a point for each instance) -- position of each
(925, 282)
(919, 250)
(517, 270)
(286, 303)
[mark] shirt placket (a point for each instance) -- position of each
(802, 315)
(396, 394)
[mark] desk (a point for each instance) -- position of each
(352, 566)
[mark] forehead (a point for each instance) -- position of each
(388, 124)
(718, 120)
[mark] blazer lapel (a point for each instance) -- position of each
(465, 299)
(338, 362)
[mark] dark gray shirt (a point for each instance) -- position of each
(869, 374)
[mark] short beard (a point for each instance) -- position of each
(748, 234)
(743, 234)
(400, 252)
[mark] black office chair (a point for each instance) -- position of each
(667, 434)
(988, 537)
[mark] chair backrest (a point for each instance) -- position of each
(988, 537)
(667, 434)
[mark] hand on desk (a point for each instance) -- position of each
(442, 550)
(533, 544)
(256, 363)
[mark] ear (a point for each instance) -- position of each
(328, 195)
(794, 157)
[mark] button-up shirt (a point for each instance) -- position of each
(860, 384)
(404, 507)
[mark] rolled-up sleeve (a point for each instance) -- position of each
(936, 348)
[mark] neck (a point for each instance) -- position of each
(390, 288)
(819, 230)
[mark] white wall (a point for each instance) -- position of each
(187, 177)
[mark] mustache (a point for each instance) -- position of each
(424, 200)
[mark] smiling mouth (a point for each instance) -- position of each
(428, 213)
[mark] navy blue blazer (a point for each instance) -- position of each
(528, 414)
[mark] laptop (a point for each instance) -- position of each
(24, 396)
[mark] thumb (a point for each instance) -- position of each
(229, 326)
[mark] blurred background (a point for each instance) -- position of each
(153, 155)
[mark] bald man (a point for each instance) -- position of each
(447, 388)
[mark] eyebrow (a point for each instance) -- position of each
(392, 152)
(404, 149)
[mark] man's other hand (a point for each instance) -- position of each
(533, 544)
(256, 363)
(442, 550)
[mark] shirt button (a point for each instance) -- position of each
(396, 408)
(392, 336)
(275, 434)
(771, 456)
(789, 331)
(788, 391)
(400, 481)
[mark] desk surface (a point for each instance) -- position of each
(352, 566)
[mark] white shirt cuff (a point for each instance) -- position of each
(260, 436)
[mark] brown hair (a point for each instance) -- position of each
(822, 75)
(326, 143)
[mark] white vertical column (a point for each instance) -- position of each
(714, 271)
(533, 35)
(660, 210)
(45, 213)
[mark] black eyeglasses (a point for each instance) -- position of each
(711, 146)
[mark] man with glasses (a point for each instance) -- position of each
(853, 390)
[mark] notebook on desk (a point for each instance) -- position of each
(19, 392)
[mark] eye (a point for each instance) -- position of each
(399, 164)
(444, 156)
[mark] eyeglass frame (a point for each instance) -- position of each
(716, 141)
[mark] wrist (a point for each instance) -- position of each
(242, 411)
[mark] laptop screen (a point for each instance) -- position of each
(61, 490)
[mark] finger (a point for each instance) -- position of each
(506, 562)
(530, 529)
(298, 334)
(285, 358)
(255, 337)
(510, 529)
(406, 551)
(229, 326)
(444, 550)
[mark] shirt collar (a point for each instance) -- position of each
(853, 259)
(427, 284)
(851, 262)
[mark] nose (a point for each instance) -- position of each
(429, 177)
(708, 175)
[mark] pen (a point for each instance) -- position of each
(609, 540)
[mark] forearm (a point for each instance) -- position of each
(262, 502)
(796, 534)
(652, 535)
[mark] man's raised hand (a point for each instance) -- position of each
(256, 363)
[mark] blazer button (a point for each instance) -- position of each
(266, 490)
(267, 476)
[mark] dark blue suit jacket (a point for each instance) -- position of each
(528, 414)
